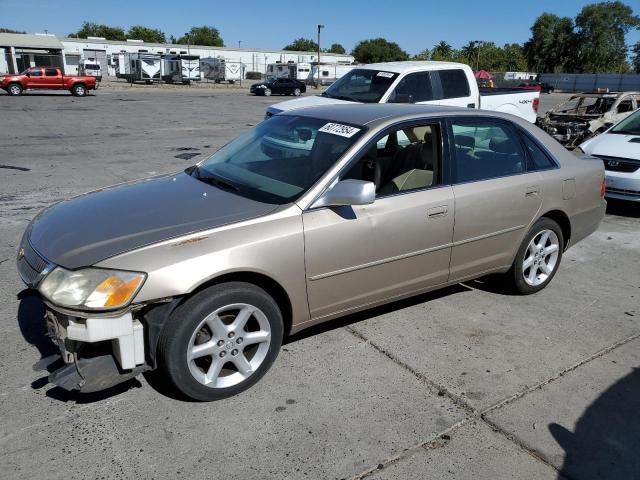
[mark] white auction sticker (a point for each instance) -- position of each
(385, 74)
(339, 129)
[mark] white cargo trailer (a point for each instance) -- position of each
(298, 71)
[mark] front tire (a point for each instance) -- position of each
(538, 258)
(79, 90)
(14, 89)
(267, 92)
(221, 341)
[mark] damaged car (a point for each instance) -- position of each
(311, 215)
(587, 114)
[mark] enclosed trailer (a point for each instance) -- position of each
(90, 67)
(299, 71)
(220, 69)
(180, 68)
(330, 72)
(138, 67)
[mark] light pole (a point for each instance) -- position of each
(478, 42)
(318, 59)
(239, 43)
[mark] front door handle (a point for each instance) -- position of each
(471, 105)
(437, 212)
(532, 191)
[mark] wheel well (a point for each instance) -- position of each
(561, 219)
(269, 285)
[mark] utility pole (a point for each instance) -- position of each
(318, 59)
(479, 42)
(239, 43)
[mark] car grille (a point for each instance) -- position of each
(31, 265)
(622, 191)
(617, 164)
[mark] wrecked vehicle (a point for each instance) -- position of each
(585, 115)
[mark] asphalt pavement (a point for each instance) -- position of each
(467, 382)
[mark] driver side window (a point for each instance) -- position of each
(36, 72)
(405, 159)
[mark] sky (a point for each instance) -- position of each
(413, 24)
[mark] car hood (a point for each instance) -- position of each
(312, 101)
(614, 145)
(90, 228)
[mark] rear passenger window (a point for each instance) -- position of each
(454, 84)
(484, 150)
(537, 160)
(50, 72)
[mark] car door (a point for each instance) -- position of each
(496, 195)
(362, 255)
(35, 78)
(623, 108)
(277, 86)
(51, 78)
(452, 87)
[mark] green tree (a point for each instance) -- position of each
(600, 36)
(442, 51)
(423, 55)
(336, 48)
(8, 30)
(151, 35)
(513, 58)
(378, 50)
(302, 45)
(91, 29)
(470, 52)
(635, 57)
(551, 46)
(204, 35)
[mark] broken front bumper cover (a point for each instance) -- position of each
(89, 373)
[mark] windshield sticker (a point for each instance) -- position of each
(385, 74)
(339, 129)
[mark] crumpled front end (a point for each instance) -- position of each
(570, 132)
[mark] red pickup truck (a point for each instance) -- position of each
(47, 78)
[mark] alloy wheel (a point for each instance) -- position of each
(541, 258)
(229, 345)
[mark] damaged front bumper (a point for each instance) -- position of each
(570, 134)
(98, 352)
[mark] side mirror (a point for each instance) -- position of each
(401, 98)
(347, 192)
(28, 74)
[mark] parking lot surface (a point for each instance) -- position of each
(467, 382)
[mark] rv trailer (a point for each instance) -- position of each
(293, 70)
(180, 68)
(221, 70)
(138, 67)
(330, 72)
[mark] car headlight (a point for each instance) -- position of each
(91, 288)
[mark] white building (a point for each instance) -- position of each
(15, 53)
(253, 60)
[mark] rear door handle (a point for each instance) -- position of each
(436, 212)
(532, 191)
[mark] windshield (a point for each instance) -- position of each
(280, 159)
(92, 67)
(361, 85)
(628, 126)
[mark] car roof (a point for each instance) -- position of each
(374, 114)
(401, 67)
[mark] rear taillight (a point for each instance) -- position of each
(603, 187)
(536, 104)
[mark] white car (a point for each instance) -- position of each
(619, 148)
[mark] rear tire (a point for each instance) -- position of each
(79, 90)
(297, 92)
(538, 258)
(15, 89)
(221, 341)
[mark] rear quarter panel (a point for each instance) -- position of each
(519, 104)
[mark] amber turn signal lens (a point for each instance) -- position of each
(118, 292)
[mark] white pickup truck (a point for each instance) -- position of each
(435, 83)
